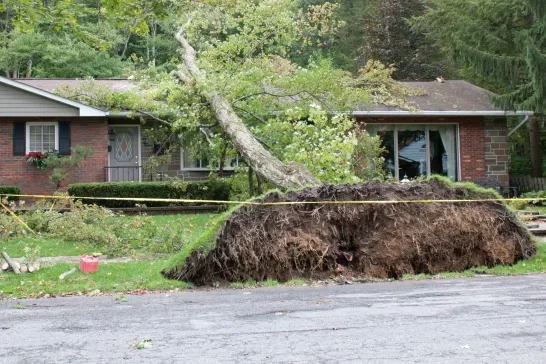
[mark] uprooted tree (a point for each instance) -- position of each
(235, 58)
(235, 85)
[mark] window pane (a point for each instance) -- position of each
(189, 160)
(412, 151)
(387, 142)
(48, 138)
(35, 141)
(41, 138)
(443, 150)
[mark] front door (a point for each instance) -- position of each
(124, 151)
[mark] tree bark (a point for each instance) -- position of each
(536, 153)
(66, 274)
(14, 265)
(259, 159)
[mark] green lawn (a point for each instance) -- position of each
(110, 278)
(189, 226)
(143, 273)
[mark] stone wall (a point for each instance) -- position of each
(496, 150)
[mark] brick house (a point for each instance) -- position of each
(457, 132)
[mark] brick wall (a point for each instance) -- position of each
(483, 144)
(472, 149)
(14, 170)
(496, 149)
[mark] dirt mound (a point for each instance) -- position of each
(376, 240)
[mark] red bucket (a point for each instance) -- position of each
(88, 264)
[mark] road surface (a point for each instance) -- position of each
(479, 320)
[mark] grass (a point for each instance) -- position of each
(192, 227)
(110, 278)
(206, 241)
(196, 231)
(49, 247)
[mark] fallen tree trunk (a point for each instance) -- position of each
(12, 264)
(262, 161)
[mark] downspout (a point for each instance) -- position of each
(518, 126)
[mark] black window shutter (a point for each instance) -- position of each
(19, 143)
(64, 138)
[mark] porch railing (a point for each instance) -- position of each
(122, 174)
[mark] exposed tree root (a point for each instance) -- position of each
(376, 240)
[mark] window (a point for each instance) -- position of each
(414, 150)
(189, 161)
(41, 137)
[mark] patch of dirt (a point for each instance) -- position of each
(374, 240)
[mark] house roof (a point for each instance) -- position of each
(83, 110)
(51, 84)
(452, 97)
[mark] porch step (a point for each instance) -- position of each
(538, 232)
(529, 212)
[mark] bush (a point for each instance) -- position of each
(10, 190)
(213, 189)
(539, 195)
(517, 204)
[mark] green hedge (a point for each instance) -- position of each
(202, 190)
(10, 190)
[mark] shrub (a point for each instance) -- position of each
(517, 204)
(535, 194)
(10, 190)
(213, 189)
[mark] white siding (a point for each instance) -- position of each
(14, 102)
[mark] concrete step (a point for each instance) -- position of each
(538, 232)
(529, 212)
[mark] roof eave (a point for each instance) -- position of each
(442, 113)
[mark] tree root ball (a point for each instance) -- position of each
(372, 240)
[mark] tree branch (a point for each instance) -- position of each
(181, 76)
(251, 114)
(190, 60)
(316, 98)
(154, 117)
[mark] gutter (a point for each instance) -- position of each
(518, 126)
(125, 114)
(442, 113)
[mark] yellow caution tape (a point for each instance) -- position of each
(352, 202)
(16, 217)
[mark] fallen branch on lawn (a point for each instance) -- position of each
(66, 274)
(14, 265)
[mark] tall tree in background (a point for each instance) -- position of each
(378, 30)
(388, 37)
(83, 38)
(501, 43)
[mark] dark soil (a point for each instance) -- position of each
(375, 240)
